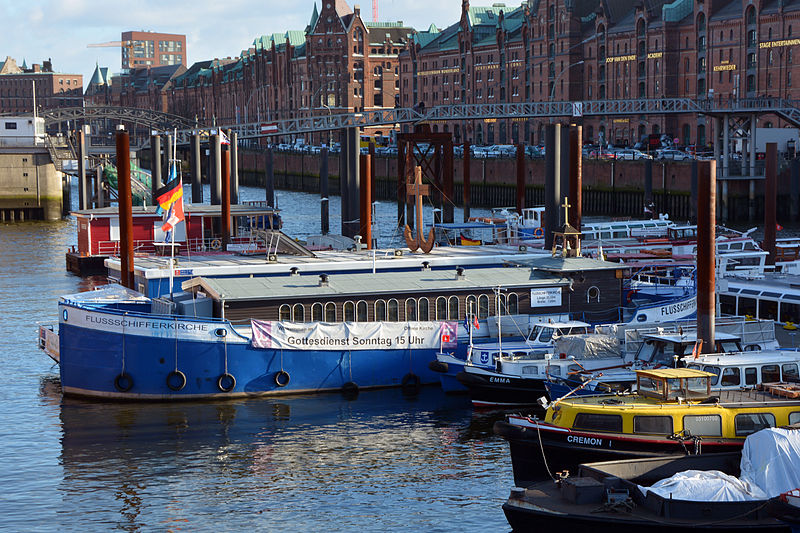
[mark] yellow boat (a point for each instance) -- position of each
(673, 412)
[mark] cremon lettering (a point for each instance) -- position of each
(144, 324)
(585, 440)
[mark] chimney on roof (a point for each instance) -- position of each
(37, 67)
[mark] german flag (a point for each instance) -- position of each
(466, 241)
(169, 193)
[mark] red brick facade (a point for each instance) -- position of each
(53, 89)
(339, 64)
(590, 50)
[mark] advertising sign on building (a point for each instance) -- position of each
(548, 297)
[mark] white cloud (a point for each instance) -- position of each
(61, 29)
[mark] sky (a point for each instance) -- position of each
(36, 30)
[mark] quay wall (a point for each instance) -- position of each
(610, 188)
(30, 186)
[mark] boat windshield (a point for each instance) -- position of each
(656, 351)
(714, 370)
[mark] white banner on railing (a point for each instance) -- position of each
(354, 335)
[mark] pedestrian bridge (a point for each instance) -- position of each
(788, 110)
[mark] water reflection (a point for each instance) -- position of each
(362, 460)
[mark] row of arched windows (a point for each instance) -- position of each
(411, 309)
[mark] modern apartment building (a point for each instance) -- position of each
(141, 49)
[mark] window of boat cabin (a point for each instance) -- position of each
(424, 310)
(714, 370)
(789, 371)
(794, 418)
(653, 388)
(728, 346)
(441, 308)
(513, 303)
(380, 310)
(411, 309)
(655, 425)
(770, 374)
(790, 312)
(750, 375)
(727, 304)
(483, 306)
(598, 422)
(730, 377)
(547, 334)
(500, 304)
(768, 309)
(299, 313)
(362, 311)
(746, 306)
(747, 423)
(285, 312)
(703, 425)
(394, 310)
(349, 309)
(452, 308)
(553, 370)
(316, 312)
(330, 312)
(472, 305)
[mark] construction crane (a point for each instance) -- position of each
(374, 10)
(126, 45)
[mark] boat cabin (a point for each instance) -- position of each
(674, 384)
(545, 334)
(668, 349)
(99, 232)
(748, 369)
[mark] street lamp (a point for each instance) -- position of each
(553, 90)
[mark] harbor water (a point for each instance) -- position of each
(380, 462)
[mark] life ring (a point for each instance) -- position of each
(123, 382)
(350, 390)
(282, 378)
(538, 233)
(226, 382)
(410, 382)
(629, 297)
(176, 380)
(216, 244)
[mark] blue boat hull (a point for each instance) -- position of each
(99, 362)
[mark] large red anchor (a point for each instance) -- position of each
(418, 190)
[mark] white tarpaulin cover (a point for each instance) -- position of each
(588, 346)
(354, 335)
(770, 465)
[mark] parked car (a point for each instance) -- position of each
(671, 155)
(603, 153)
(629, 154)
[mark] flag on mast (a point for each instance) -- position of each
(170, 200)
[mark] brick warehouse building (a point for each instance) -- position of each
(614, 49)
(564, 50)
(338, 64)
(53, 89)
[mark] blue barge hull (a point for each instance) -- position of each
(124, 354)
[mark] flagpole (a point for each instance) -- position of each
(175, 227)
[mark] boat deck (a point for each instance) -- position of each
(545, 501)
